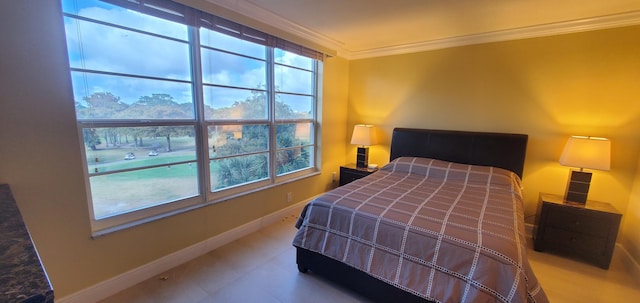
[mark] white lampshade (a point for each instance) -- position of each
(587, 152)
(364, 135)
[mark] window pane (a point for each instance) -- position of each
(116, 148)
(230, 103)
(232, 140)
(105, 48)
(103, 11)
(293, 80)
(291, 59)
(294, 134)
(294, 106)
(293, 159)
(234, 171)
(113, 97)
(125, 192)
(232, 70)
(232, 44)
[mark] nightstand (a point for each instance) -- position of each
(350, 172)
(586, 231)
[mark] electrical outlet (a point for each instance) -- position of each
(333, 177)
(289, 197)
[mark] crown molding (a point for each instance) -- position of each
(552, 29)
(250, 10)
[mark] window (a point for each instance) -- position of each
(177, 108)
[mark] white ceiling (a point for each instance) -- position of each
(366, 28)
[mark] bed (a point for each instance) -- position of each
(442, 222)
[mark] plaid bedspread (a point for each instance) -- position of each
(446, 232)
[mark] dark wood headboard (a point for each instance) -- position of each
(478, 148)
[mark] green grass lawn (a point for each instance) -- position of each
(110, 154)
(124, 192)
(128, 191)
(109, 159)
(145, 161)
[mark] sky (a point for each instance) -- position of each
(167, 58)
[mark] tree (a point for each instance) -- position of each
(290, 158)
(238, 170)
(157, 106)
(91, 138)
(102, 105)
(254, 138)
(167, 132)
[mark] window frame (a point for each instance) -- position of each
(206, 195)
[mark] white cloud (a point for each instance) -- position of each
(98, 47)
(104, 48)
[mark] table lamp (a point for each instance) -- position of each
(363, 135)
(584, 152)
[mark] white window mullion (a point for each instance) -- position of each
(317, 95)
(202, 141)
(271, 95)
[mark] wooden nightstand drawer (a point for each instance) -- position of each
(586, 222)
(350, 173)
(576, 242)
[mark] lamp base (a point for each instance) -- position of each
(362, 157)
(578, 186)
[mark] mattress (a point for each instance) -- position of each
(444, 231)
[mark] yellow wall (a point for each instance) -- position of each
(549, 88)
(631, 241)
(40, 159)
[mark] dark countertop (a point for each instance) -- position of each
(22, 276)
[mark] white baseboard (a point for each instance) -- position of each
(629, 263)
(123, 281)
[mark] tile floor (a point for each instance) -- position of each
(261, 268)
